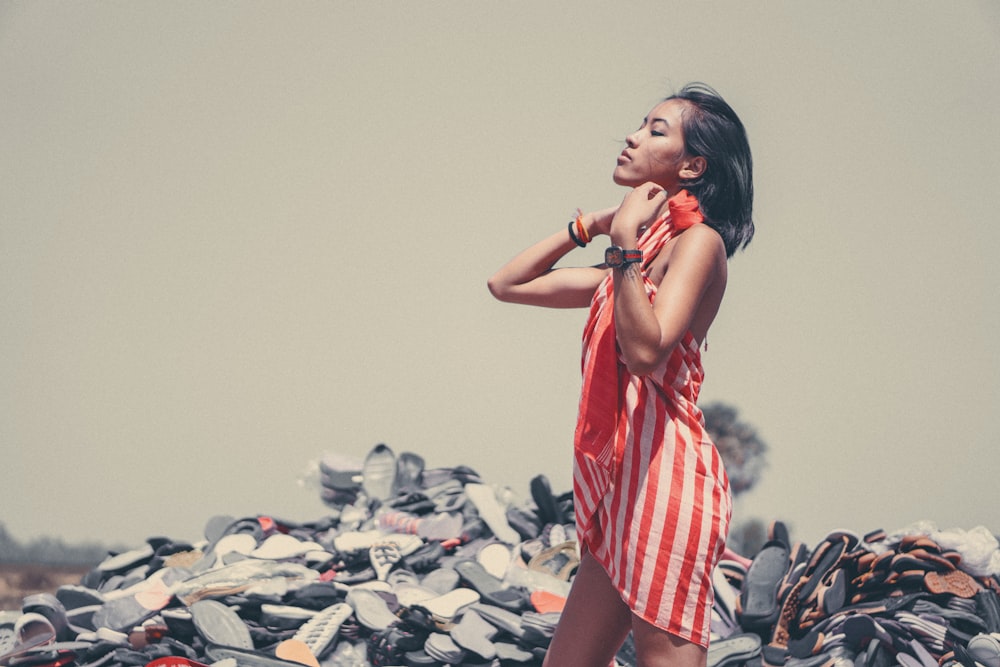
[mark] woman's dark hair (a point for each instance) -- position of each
(724, 190)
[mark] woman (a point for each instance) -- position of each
(652, 498)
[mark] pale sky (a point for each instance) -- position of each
(235, 237)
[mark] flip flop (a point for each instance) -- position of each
(504, 620)
(371, 609)
(475, 634)
(955, 582)
(219, 624)
(778, 532)
(490, 511)
(444, 608)
(50, 607)
(825, 559)
(246, 657)
(923, 656)
(489, 587)
(733, 650)
(985, 649)
(175, 661)
(541, 493)
(543, 601)
(389, 646)
(409, 471)
(759, 597)
(559, 561)
(495, 558)
(725, 597)
(31, 630)
(319, 632)
(988, 608)
(443, 648)
(378, 473)
(295, 650)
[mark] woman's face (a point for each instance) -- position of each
(655, 152)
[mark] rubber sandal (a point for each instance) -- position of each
(541, 493)
(733, 650)
(495, 558)
(559, 561)
(409, 473)
(175, 661)
(320, 632)
(443, 648)
(545, 601)
(490, 511)
(371, 610)
(824, 560)
(475, 634)
(778, 532)
(923, 656)
(294, 650)
(378, 472)
(504, 620)
(384, 555)
(489, 587)
(442, 580)
(411, 594)
(985, 649)
(389, 646)
(444, 608)
(246, 657)
(955, 582)
(988, 608)
(425, 558)
(758, 599)
(218, 624)
(31, 630)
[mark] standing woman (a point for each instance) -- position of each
(652, 499)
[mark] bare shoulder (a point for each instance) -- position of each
(700, 241)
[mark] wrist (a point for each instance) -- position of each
(620, 258)
(624, 241)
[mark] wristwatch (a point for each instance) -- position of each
(617, 258)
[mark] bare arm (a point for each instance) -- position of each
(529, 278)
(647, 333)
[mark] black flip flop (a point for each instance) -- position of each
(489, 587)
(759, 606)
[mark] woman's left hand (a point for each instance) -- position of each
(640, 207)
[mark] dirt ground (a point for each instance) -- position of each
(20, 579)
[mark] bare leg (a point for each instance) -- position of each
(594, 623)
(655, 647)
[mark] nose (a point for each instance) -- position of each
(631, 140)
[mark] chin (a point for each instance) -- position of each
(621, 179)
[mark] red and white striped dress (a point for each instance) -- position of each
(652, 498)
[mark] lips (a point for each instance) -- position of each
(623, 158)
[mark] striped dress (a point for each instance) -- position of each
(652, 498)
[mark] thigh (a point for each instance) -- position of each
(594, 622)
(655, 647)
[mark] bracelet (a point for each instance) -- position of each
(581, 231)
(573, 236)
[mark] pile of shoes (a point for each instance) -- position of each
(919, 598)
(432, 566)
(411, 566)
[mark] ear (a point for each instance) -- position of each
(693, 168)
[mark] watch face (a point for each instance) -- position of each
(614, 256)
